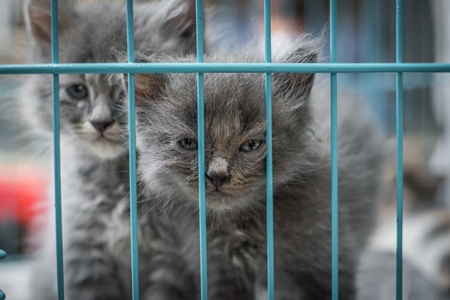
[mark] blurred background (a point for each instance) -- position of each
(365, 33)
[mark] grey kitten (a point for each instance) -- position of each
(87, 34)
(377, 279)
(235, 133)
(94, 163)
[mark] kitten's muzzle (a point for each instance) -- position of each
(217, 178)
(102, 125)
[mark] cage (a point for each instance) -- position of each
(378, 57)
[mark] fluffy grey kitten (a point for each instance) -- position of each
(235, 133)
(94, 152)
(87, 34)
(377, 279)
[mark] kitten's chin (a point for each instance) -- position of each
(225, 202)
(107, 150)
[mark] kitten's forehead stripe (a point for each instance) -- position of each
(218, 165)
(69, 79)
(232, 112)
(100, 111)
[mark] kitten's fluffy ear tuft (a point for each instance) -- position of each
(38, 19)
(147, 86)
(182, 18)
(301, 51)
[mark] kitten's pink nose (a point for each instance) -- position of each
(217, 178)
(101, 126)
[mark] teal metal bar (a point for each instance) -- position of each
(57, 153)
(132, 157)
(399, 166)
(269, 157)
(334, 160)
(108, 68)
(2, 257)
(201, 156)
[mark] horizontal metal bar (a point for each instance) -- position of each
(109, 68)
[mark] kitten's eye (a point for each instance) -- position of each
(78, 91)
(251, 145)
(188, 144)
(186, 34)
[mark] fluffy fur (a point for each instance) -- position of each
(426, 235)
(377, 279)
(94, 152)
(235, 128)
(87, 35)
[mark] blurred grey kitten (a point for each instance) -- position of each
(426, 234)
(377, 279)
(94, 161)
(235, 134)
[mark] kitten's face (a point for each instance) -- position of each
(88, 106)
(235, 143)
(235, 136)
(89, 114)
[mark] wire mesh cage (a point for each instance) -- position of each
(376, 65)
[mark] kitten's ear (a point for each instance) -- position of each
(146, 86)
(38, 18)
(182, 18)
(298, 84)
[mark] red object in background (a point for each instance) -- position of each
(23, 192)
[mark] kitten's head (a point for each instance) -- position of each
(235, 130)
(88, 33)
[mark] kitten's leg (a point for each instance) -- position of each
(225, 279)
(90, 274)
(317, 284)
(43, 277)
(285, 288)
(167, 278)
(227, 288)
(163, 271)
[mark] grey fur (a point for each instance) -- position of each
(377, 279)
(95, 185)
(234, 115)
(87, 34)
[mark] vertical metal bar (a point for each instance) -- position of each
(334, 159)
(57, 153)
(377, 94)
(201, 155)
(399, 131)
(269, 171)
(132, 157)
(2, 256)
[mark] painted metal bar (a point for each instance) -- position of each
(2, 256)
(132, 157)
(269, 157)
(57, 152)
(334, 159)
(108, 68)
(399, 165)
(201, 155)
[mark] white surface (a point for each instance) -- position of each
(14, 279)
